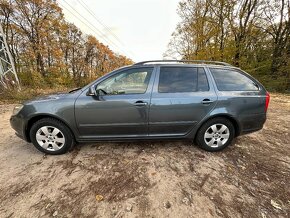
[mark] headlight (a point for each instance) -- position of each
(17, 108)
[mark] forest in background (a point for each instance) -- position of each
(251, 34)
(50, 52)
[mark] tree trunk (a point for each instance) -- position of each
(40, 64)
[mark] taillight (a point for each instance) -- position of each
(267, 101)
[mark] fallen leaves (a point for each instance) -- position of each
(99, 198)
(276, 205)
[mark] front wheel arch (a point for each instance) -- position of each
(34, 119)
(51, 136)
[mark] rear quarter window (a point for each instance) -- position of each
(232, 80)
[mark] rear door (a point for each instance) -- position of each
(182, 96)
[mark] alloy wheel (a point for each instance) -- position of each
(216, 135)
(50, 138)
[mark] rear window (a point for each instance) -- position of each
(182, 79)
(231, 80)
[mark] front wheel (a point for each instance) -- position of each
(215, 134)
(51, 136)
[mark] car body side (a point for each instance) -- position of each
(244, 108)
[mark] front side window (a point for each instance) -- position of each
(182, 79)
(231, 80)
(132, 81)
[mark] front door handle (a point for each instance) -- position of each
(206, 101)
(140, 103)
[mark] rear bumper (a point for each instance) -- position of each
(252, 123)
(18, 124)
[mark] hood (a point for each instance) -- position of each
(50, 97)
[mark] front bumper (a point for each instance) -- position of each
(18, 124)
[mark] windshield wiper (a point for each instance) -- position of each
(74, 90)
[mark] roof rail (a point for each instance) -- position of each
(184, 61)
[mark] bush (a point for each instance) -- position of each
(25, 93)
(273, 83)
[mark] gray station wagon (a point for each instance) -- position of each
(206, 101)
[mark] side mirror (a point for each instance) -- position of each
(92, 91)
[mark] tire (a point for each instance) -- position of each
(51, 136)
(216, 134)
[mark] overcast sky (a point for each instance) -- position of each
(143, 28)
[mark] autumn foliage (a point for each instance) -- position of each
(251, 34)
(49, 51)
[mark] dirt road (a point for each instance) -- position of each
(150, 179)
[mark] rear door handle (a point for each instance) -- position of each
(206, 101)
(140, 103)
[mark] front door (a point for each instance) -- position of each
(121, 108)
(181, 97)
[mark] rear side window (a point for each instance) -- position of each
(182, 79)
(231, 80)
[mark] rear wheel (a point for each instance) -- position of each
(51, 136)
(215, 134)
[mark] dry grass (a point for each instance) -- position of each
(11, 96)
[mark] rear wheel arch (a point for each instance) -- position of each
(225, 116)
(36, 118)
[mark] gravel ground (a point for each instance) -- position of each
(150, 179)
